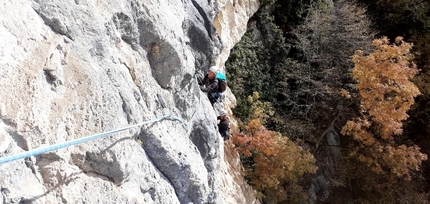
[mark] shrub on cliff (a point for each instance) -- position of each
(274, 165)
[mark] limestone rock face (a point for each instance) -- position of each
(74, 68)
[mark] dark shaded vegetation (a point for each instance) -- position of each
(296, 55)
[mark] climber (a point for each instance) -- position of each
(223, 125)
(209, 84)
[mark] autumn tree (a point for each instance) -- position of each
(386, 94)
(274, 165)
(411, 19)
(301, 70)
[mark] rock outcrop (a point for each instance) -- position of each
(76, 68)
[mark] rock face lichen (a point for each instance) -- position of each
(70, 69)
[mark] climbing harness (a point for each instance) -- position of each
(42, 150)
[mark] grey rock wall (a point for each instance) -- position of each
(74, 68)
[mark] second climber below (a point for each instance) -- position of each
(209, 84)
(224, 125)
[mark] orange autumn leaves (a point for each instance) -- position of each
(277, 163)
(386, 94)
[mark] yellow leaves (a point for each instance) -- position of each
(384, 84)
(358, 129)
(401, 159)
(259, 109)
(344, 93)
(386, 94)
(254, 126)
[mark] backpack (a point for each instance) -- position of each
(222, 82)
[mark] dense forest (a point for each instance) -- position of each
(333, 101)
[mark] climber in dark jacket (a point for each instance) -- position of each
(209, 84)
(223, 125)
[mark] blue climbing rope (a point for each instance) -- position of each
(42, 150)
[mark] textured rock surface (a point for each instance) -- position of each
(74, 68)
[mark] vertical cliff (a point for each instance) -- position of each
(74, 68)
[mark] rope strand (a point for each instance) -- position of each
(42, 150)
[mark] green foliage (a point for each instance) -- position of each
(253, 63)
